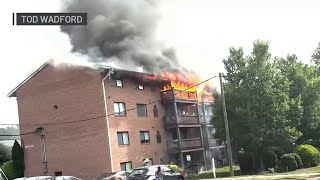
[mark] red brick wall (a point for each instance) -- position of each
(79, 149)
(135, 152)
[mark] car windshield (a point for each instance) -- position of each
(137, 172)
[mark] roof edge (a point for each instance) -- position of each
(13, 92)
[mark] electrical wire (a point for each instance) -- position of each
(97, 117)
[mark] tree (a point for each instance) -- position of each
(304, 88)
(316, 56)
(4, 154)
(17, 155)
(260, 111)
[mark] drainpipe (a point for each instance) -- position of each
(107, 117)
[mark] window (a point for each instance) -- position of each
(126, 166)
(123, 138)
(141, 87)
(158, 137)
(58, 173)
(144, 137)
(117, 82)
(155, 111)
(142, 109)
(150, 162)
(119, 108)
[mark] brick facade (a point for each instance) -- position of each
(56, 95)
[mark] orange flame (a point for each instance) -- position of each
(188, 82)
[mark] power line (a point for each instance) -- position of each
(10, 135)
(93, 118)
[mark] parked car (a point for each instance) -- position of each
(67, 178)
(40, 178)
(51, 178)
(105, 175)
(149, 172)
(120, 173)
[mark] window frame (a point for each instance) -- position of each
(146, 110)
(144, 140)
(159, 140)
(121, 133)
(119, 114)
(125, 165)
(115, 82)
(150, 160)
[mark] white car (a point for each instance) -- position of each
(120, 173)
(67, 178)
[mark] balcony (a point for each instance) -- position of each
(186, 144)
(179, 95)
(188, 119)
(171, 120)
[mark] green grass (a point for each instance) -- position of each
(300, 174)
(220, 172)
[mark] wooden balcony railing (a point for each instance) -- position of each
(190, 119)
(170, 120)
(174, 147)
(183, 95)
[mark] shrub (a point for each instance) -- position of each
(245, 162)
(269, 158)
(298, 160)
(8, 169)
(288, 160)
(279, 152)
(310, 155)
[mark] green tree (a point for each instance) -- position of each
(260, 111)
(316, 56)
(17, 156)
(304, 89)
(4, 154)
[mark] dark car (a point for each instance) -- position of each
(105, 175)
(149, 172)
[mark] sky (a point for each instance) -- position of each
(200, 30)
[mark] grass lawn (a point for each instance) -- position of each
(300, 174)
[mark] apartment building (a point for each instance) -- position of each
(88, 121)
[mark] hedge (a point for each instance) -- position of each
(269, 158)
(310, 155)
(288, 160)
(279, 152)
(298, 160)
(245, 162)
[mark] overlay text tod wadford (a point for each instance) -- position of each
(50, 18)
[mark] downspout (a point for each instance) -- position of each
(107, 117)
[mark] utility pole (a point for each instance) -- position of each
(229, 152)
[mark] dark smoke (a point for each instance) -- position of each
(120, 31)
